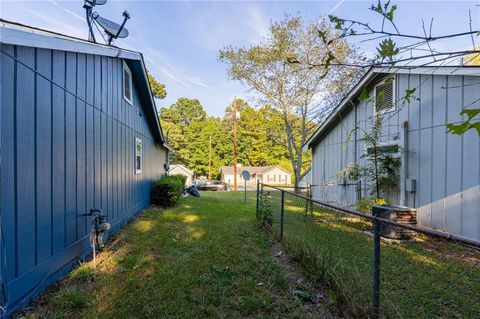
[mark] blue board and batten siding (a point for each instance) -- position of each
(446, 167)
(66, 147)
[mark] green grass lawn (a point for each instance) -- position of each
(205, 258)
(426, 278)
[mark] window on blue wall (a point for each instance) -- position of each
(127, 83)
(384, 149)
(138, 156)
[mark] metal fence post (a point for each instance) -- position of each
(359, 190)
(282, 213)
(376, 269)
(258, 195)
(310, 195)
(307, 206)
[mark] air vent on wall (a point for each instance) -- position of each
(384, 96)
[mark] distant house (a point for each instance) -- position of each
(178, 169)
(439, 172)
(273, 175)
(79, 130)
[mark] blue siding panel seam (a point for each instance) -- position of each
(51, 156)
(35, 168)
(15, 196)
(65, 155)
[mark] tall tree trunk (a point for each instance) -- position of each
(298, 171)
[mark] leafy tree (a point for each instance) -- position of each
(186, 126)
(383, 171)
(158, 89)
(272, 69)
(261, 138)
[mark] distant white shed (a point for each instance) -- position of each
(182, 170)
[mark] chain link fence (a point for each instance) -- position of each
(428, 274)
(344, 195)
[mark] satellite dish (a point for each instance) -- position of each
(113, 29)
(96, 2)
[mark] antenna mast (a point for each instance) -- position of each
(111, 29)
(88, 12)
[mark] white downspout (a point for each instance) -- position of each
(404, 163)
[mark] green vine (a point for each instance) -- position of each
(264, 212)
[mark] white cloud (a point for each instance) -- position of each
(55, 3)
(336, 6)
(173, 77)
(196, 82)
(257, 23)
(40, 15)
(53, 24)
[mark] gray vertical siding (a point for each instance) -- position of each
(446, 166)
(66, 148)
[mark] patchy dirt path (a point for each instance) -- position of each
(314, 297)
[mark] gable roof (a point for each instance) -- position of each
(182, 168)
(19, 34)
(251, 169)
(346, 103)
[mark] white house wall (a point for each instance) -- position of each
(277, 176)
(445, 166)
(180, 171)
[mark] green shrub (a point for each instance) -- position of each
(365, 205)
(167, 191)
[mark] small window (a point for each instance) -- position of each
(386, 149)
(127, 83)
(138, 156)
(384, 96)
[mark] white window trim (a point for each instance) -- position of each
(126, 68)
(394, 97)
(391, 143)
(138, 171)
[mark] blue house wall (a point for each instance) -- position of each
(446, 167)
(67, 145)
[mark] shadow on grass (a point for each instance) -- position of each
(204, 258)
(426, 278)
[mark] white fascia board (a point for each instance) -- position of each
(38, 39)
(431, 70)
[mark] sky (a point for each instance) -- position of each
(180, 40)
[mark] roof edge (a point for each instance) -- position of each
(183, 167)
(19, 34)
(340, 107)
(373, 71)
